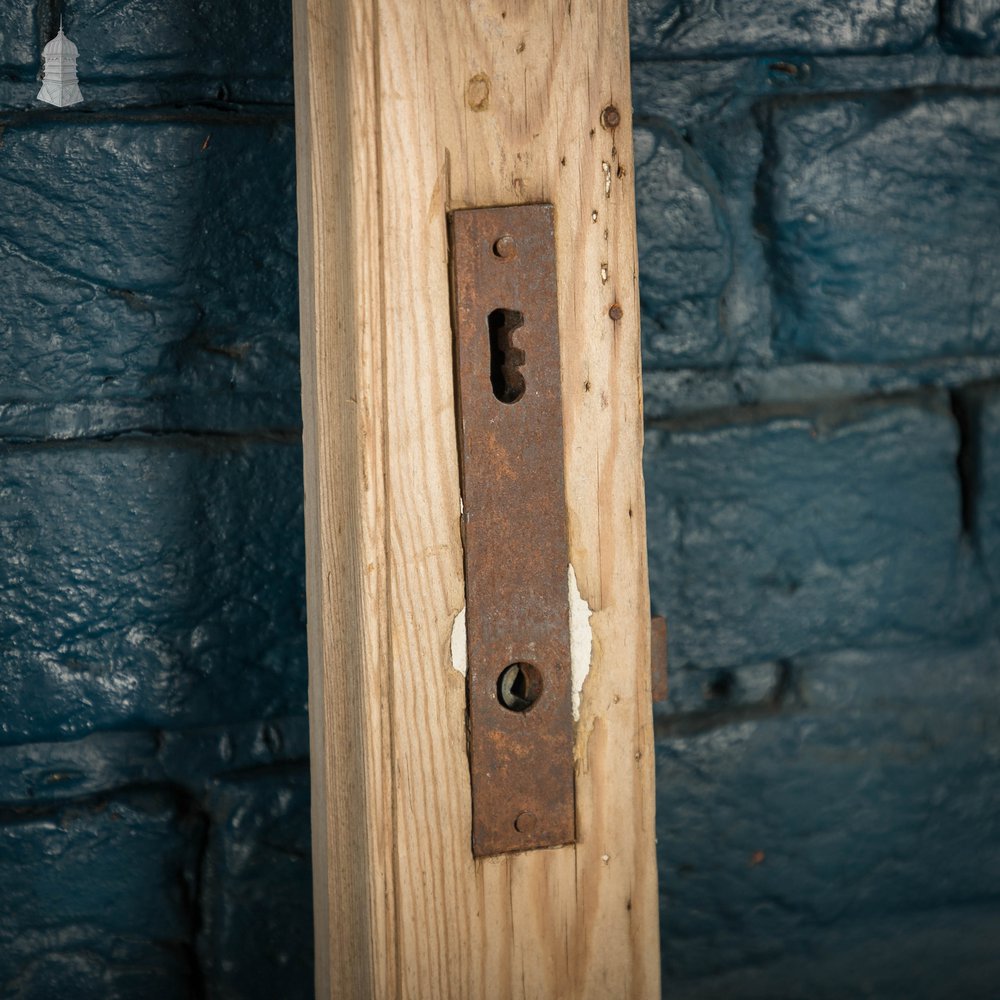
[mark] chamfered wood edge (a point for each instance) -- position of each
(341, 342)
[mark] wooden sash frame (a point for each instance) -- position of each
(407, 109)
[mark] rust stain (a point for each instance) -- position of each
(477, 92)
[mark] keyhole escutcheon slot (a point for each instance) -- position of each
(505, 357)
(519, 686)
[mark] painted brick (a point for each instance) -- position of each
(807, 532)
(883, 214)
(97, 899)
(684, 244)
(257, 918)
(150, 582)
(148, 258)
(189, 759)
(866, 798)
(20, 36)
(671, 394)
(972, 26)
(685, 28)
(704, 281)
(245, 38)
(949, 951)
(982, 408)
(212, 412)
(148, 38)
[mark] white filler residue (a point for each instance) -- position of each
(459, 650)
(581, 641)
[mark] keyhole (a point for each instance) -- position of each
(519, 686)
(505, 358)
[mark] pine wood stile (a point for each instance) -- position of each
(406, 111)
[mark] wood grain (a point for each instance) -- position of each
(406, 111)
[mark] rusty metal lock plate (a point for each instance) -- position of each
(519, 684)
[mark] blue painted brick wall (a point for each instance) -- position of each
(99, 896)
(817, 205)
(173, 248)
(154, 784)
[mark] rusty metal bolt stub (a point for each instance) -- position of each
(505, 247)
(611, 117)
(615, 312)
(525, 822)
